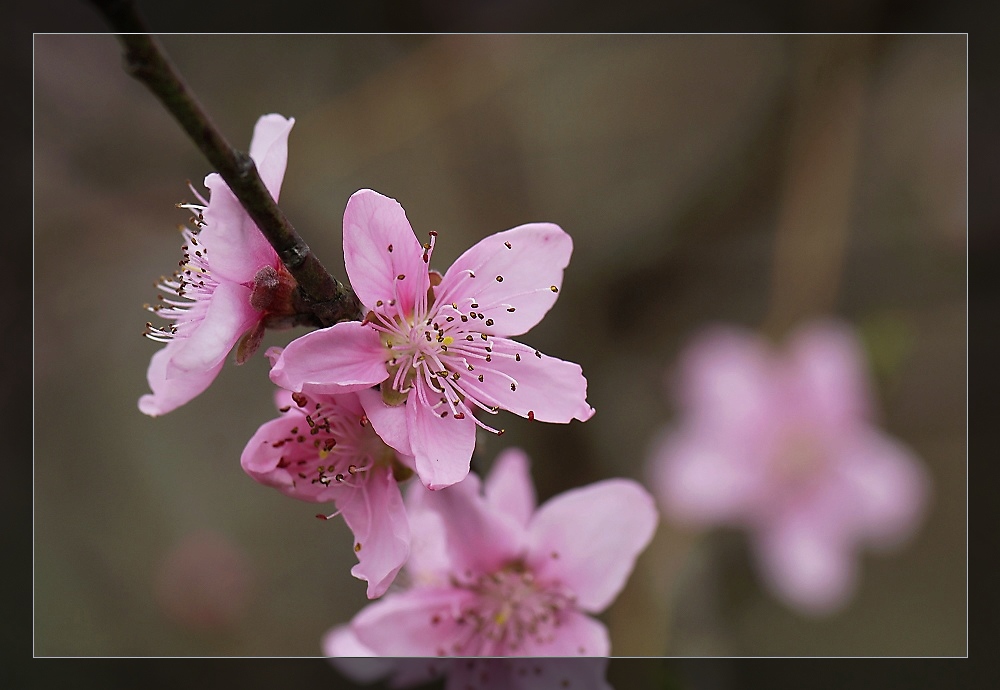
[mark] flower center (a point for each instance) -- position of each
(510, 607)
(433, 354)
(799, 457)
(332, 446)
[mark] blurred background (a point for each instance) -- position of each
(755, 180)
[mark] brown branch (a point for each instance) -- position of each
(323, 295)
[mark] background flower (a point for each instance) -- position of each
(785, 446)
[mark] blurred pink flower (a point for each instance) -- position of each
(322, 448)
(212, 302)
(492, 576)
(360, 664)
(785, 446)
(438, 343)
(203, 582)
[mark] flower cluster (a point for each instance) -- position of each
(782, 445)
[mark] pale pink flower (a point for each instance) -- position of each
(438, 345)
(785, 446)
(359, 663)
(225, 284)
(322, 448)
(492, 576)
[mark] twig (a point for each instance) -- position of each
(323, 295)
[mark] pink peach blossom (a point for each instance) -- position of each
(322, 448)
(492, 576)
(359, 663)
(211, 302)
(785, 446)
(436, 345)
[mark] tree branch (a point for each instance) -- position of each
(327, 299)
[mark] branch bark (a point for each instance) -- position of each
(323, 295)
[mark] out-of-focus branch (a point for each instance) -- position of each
(327, 299)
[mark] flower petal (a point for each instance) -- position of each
(515, 269)
(388, 421)
(530, 384)
(479, 538)
(429, 562)
(890, 486)
(170, 393)
(352, 658)
(806, 565)
(344, 357)
(442, 447)
(379, 246)
(589, 538)
(827, 365)
(273, 463)
(508, 486)
(229, 315)
(374, 511)
(403, 624)
(578, 635)
(703, 481)
(234, 247)
(725, 383)
(269, 149)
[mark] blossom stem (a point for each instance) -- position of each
(324, 296)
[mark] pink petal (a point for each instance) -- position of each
(530, 384)
(806, 564)
(528, 269)
(229, 315)
(269, 150)
(828, 367)
(889, 484)
(578, 635)
(402, 624)
(372, 224)
(170, 393)
(442, 447)
(701, 480)
(374, 511)
(725, 383)
(388, 421)
(236, 249)
(508, 486)
(429, 561)
(589, 538)
(263, 461)
(341, 643)
(480, 539)
(344, 357)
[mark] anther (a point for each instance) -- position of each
(300, 399)
(507, 244)
(402, 276)
(553, 288)
(513, 387)
(489, 322)
(531, 414)
(510, 309)
(517, 357)
(499, 279)
(389, 247)
(459, 415)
